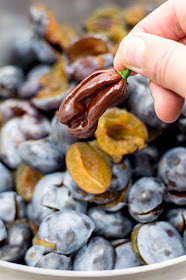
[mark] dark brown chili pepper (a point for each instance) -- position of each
(85, 103)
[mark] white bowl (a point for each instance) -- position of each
(13, 19)
(174, 269)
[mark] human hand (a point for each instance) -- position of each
(156, 49)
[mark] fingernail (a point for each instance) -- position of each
(133, 51)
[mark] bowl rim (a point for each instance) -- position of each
(92, 274)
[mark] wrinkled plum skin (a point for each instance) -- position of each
(98, 254)
(11, 78)
(54, 261)
(177, 217)
(31, 85)
(36, 212)
(60, 198)
(110, 225)
(76, 192)
(17, 243)
(142, 80)
(50, 103)
(49, 261)
(32, 257)
(171, 170)
(44, 53)
(144, 196)
(6, 182)
(12, 206)
(181, 126)
(121, 174)
(184, 239)
(61, 135)
(83, 67)
(42, 155)
(18, 129)
(34, 127)
(145, 162)
(3, 231)
(15, 107)
(11, 157)
(30, 50)
(23, 52)
(69, 223)
(181, 130)
(125, 256)
(39, 21)
(152, 246)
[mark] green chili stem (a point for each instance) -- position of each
(124, 74)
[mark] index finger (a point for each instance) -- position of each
(167, 21)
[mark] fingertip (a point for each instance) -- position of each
(119, 66)
(117, 62)
(168, 105)
(118, 59)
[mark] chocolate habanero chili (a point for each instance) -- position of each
(85, 103)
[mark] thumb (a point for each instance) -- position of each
(161, 60)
